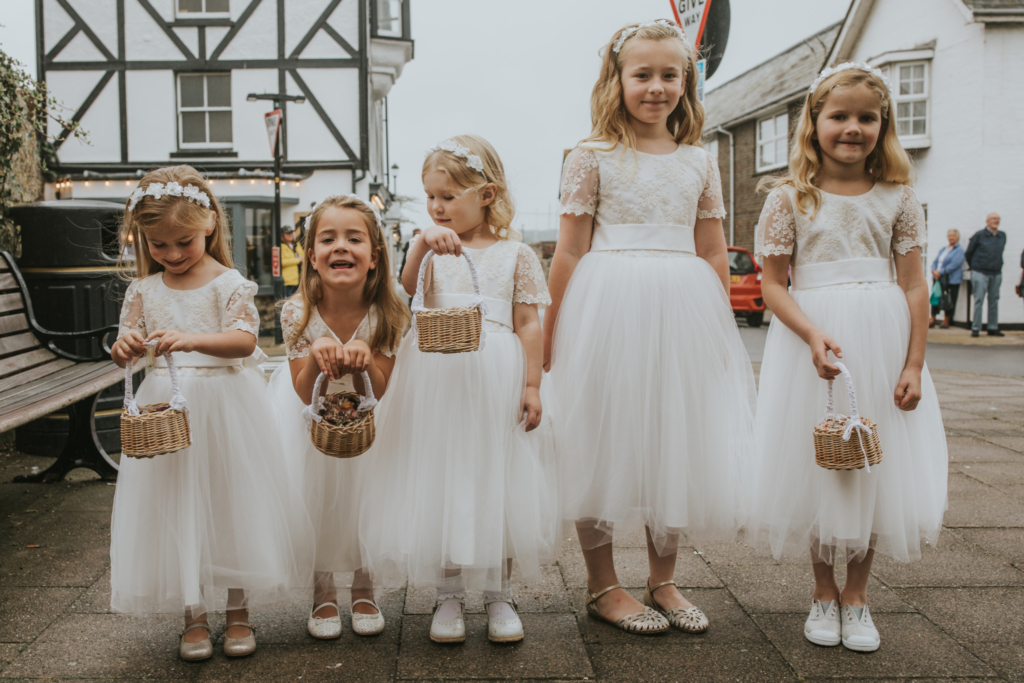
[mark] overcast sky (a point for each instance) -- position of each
(520, 74)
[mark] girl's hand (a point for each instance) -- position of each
(328, 356)
(356, 357)
(443, 241)
(532, 410)
(128, 348)
(172, 341)
(821, 344)
(908, 390)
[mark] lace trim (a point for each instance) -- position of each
(904, 245)
(713, 213)
(577, 209)
(775, 250)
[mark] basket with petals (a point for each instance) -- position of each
(844, 442)
(341, 424)
(156, 428)
(449, 330)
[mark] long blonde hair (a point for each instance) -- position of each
(888, 161)
(608, 116)
(499, 213)
(392, 314)
(151, 214)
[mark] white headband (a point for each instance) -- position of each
(376, 214)
(862, 66)
(171, 189)
(626, 33)
(472, 160)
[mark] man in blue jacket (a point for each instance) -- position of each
(985, 256)
(948, 271)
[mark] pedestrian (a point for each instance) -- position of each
(947, 270)
(985, 257)
(346, 294)
(464, 489)
(291, 260)
(655, 386)
(218, 516)
(849, 179)
(405, 250)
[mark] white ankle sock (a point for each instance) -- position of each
(448, 610)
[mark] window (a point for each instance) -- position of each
(773, 142)
(390, 19)
(258, 225)
(204, 110)
(911, 98)
(191, 8)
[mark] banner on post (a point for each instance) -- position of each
(275, 261)
(273, 121)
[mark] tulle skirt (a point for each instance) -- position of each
(802, 507)
(459, 487)
(656, 395)
(217, 515)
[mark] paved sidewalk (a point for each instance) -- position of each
(956, 615)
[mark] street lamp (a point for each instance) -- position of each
(394, 174)
(275, 224)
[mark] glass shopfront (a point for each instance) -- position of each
(250, 220)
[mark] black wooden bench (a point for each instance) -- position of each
(37, 378)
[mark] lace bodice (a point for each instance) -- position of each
(887, 219)
(291, 317)
(508, 271)
(618, 187)
(223, 304)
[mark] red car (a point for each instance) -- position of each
(745, 290)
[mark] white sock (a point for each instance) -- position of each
(448, 610)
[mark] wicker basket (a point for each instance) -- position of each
(448, 330)
(345, 441)
(846, 443)
(156, 428)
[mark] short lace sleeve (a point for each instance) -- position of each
(132, 317)
(241, 313)
(909, 230)
(531, 288)
(776, 230)
(711, 203)
(580, 180)
(291, 318)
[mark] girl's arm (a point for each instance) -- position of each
(230, 344)
(708, 235)
(908, 234)
(574, 235)
(437, 239)
(527, 326)
(331, 354)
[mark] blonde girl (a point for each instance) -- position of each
(345, 319)
(461, 436)
(218, 517)
(848, 224)
(650, 373)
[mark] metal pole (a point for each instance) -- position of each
(275, 223)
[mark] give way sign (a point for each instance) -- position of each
(706, 25)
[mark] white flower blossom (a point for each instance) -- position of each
(171, 189)
(472, 160)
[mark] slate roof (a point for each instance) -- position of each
(982, 5)
(773, 81)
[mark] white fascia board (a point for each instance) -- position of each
(902, 56)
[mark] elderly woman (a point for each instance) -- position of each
(947, 269)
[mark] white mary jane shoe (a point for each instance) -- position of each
(859, 633)
(367, 624)
(507, 630)
(823, 627)
(324, 628)
(449, 630)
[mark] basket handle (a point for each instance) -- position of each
(177, 399)
(853, 422)
(478, 299)
(311, 413)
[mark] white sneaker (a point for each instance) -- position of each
(446, 628)
(859, 633)
(367, 624)
(823, 626)
(324, 628)
(503, 624)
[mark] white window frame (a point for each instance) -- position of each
(892, 71)
(181, 127)
(398, 18)
(759, 142)
(178, 14)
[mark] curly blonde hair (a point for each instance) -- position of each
(888, 161)
(499, 213)
(609, 119)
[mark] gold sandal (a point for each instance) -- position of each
(690, 619)
(647, 622)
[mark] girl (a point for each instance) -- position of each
(462, 488)
(838, 218)
(646, 361)
(344, 293)
(212, 516)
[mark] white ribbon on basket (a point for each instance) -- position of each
(853, 421)
(177, 401)
(311, 413)
(477, 302)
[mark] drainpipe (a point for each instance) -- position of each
(732, 185)
(356, 179)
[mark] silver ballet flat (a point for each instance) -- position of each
(240, 647)
(196, 652)
(324, 628)
(367, 624)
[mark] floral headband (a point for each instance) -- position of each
(472, 160)
(627, 32)
(171, 189)
(861, 66)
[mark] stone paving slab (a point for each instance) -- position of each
(974, 504)
(25, 612)
(953, 562)
(647, 661)
(1005, 543)
(631, 566)
(987, 615)
(8, 651)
